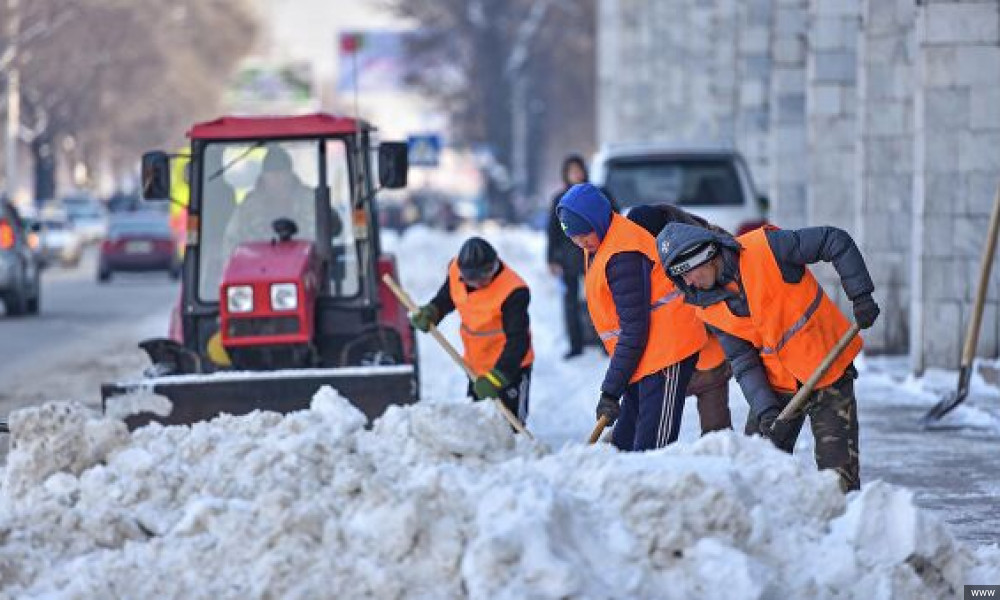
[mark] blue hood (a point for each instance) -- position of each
(678, 237)
(588, 203)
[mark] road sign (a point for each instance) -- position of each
(424, 150)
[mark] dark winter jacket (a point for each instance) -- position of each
(793, 250)
(628, 276)
(514, 313)
(654, 217)
(560, 249)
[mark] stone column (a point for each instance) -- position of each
(753, 77)
(956, 169)
(831, 123)
(885, 163)
(787, 102)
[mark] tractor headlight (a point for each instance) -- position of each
(284, 296)
(239, 298)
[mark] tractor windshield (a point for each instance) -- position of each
(246, 186)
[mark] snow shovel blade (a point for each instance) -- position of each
(205, 396)
(949, 402)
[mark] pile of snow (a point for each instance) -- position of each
(442, 501)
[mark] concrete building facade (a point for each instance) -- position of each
(881, 117)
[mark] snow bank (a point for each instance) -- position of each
(441, 501)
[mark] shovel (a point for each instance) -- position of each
(437, 335)
(799, 399)
(946, 404)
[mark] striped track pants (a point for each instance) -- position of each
(652, 408)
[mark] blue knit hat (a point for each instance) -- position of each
(572, 223)
(582, 209)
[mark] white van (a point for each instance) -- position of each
(712, 182)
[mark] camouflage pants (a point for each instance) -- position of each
(833, 416)
(711, 387)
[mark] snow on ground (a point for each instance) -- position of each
(440, 500)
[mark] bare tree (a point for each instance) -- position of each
(118, 77)
(517, 76)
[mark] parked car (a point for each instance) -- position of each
(138, 242)
(58, 240)
(20, 281)
(87, 215)
(711, 181)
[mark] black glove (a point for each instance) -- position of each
(426, 316)
(865, 311)
(780, 432)
(608, 407)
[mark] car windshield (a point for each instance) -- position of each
(700, 182)
(246, 186)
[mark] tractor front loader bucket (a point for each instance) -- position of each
(203, 397)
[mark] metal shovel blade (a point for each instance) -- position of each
(953, 399)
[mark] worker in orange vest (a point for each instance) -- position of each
(710, 382)
(652, 337)
(492, 301)
(776, 325)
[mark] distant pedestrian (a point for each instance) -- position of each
(566, 260)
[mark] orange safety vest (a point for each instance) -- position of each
(675, 333)
(793, 325)
(483, 337)
(712, 355)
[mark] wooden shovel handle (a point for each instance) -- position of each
(800, 397)
(598, 430)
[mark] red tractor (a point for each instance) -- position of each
(281, 288)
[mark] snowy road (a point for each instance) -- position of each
(85, 333)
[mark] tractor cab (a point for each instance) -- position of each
(281, 287)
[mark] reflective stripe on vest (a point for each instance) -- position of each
(793, 325)
(796, 326)
(481, 310)
(468, 330)
(607, 335)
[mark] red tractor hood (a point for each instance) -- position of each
(264, 262)
(259, 265)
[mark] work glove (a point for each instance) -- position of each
(865, 311)
(780, 432)
(489, 385)
(425, 316)
(609, 407)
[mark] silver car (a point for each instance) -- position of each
(712, 181)
(20, 284)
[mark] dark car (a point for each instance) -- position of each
(138, 242)
(20, 283)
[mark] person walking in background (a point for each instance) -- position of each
(565, 259)
(710, 382)
(652, 336)
(492, 302)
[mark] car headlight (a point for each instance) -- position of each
(239, 298)
(284, 296)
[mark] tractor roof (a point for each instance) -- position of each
(306, 126)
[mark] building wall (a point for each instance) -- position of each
(885, 162)
(878, 116)
(956, 171)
